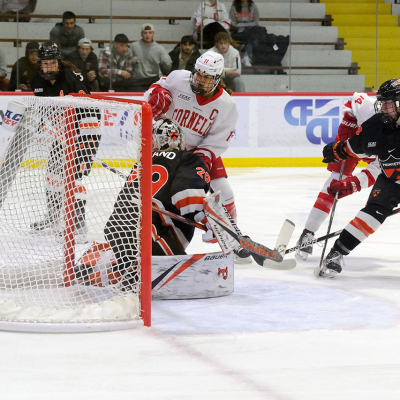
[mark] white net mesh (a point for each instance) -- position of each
(55, 202)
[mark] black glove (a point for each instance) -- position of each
(334, 152)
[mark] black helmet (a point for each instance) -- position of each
(389, 90)
(49, 51)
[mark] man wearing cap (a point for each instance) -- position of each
(66, 33)
(115, 66)
(149, 57)
(86, 60)
(27, 67)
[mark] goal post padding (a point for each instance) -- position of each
(47, 170)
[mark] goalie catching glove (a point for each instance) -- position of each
(160, 101)
(334, 152)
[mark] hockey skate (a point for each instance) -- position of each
(306, 237)
(331, 265)
(242, 256)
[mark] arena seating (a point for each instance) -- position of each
(316, 59)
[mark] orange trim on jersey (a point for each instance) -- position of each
(172, 227)
(86, 125)
(80, 189)
(202, 100)
(163, 244)
(188, 201)
(362, 226)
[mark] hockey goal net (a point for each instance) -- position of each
(60, 176)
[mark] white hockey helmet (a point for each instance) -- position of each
(167, 135)
(210, 63)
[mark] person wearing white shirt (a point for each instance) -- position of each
(232, 64)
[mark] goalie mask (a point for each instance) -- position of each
(167, 135)
(49, 60)
(206, 73)
(388, 101)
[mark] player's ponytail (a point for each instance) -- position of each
(222, 85)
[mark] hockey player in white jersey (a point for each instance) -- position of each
(207, 115)
(356, 110)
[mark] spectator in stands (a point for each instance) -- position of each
(86, 60)
(149, 57)
(185, 54)
(20, 6)
(211, 17)
(232, 64)
(4, 82)
(115, 66)
(26, 67)
(67, 34)
(244, 15)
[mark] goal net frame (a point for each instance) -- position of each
(68, 234)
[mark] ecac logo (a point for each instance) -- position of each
(319, 116)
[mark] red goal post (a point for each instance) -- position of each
(47, 163)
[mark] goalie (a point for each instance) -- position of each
(180, 182)
(58, 78)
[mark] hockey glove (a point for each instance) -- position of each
(160, 101)
(334, 152)
(345, 187)
(348, 127)
(209, 236)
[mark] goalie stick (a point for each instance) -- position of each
(260, 252)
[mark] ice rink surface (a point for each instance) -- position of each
(282, 335)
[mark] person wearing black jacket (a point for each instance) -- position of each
(378, 136)
(55, 78)
(86, 60)
(184, 54)
(26, 67)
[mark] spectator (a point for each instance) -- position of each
(149, 57)
(26, 67)
(86, 60)
(4, 82)
(185, 54)
(67, 34)
(232, 64)
(244, 15)
(20, 6)
(115, 64)
(213, 17)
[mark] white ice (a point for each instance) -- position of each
(282, 335)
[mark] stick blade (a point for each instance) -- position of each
(284, 264)
(281, 244)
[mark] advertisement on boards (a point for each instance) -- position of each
(269, 126)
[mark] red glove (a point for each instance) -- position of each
(160, 101)
(347, 128)
(344, 187)
(206, 159)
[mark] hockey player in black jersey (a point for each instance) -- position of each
(58, 78)
(379, 136)
(180, 183)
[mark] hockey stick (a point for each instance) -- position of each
(262, 252)
(328, 236)
(317, 270)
